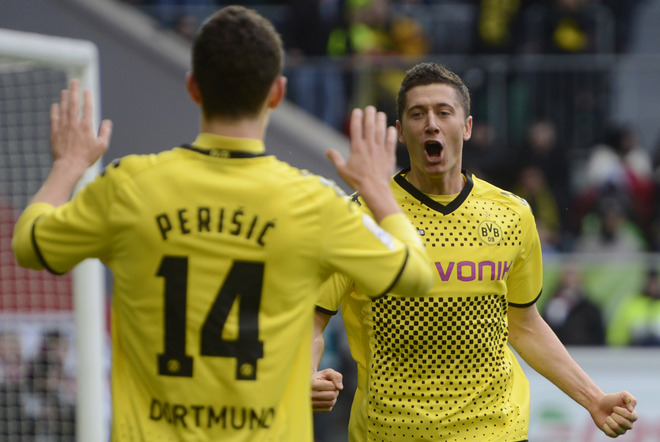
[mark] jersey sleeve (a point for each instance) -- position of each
(58, 238)
(378, 259)
(332, 291)
(526, 278)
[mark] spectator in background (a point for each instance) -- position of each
(499, 26)
(619, 167)
(576, 98)
(542, 148)
(533, 186)
(608, 229)
(654, 228)
(622, 13)
(484, 156)
(373, 30)
(637, 321)
(561, 27)
(186, 26)
(15, 424)
(50, 386)
(571, 314)
(317, 84)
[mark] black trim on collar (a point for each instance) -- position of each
(222, 153)
(424, 199)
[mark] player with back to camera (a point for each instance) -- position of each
(218, 250)
(439, 367)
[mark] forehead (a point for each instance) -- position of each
(432, 95)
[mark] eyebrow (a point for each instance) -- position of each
(422, 106)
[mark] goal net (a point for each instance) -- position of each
(52, 328)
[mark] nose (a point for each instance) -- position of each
(432, 124)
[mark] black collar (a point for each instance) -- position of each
(222, 153)
(400, 179)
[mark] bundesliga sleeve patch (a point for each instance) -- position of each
(381, 234)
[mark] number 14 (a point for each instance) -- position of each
(243, 285)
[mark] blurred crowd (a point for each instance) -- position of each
(37, 392)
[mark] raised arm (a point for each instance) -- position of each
(537, 344)
(368, 170)
(75, 145)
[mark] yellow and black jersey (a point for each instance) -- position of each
(217, 253)
(438, 367)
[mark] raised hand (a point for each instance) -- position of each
(373, 144)
(72, 137)
(73, 143)
(371, 162)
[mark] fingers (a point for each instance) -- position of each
(72, 101)
(331, 375)
(73, 138)
(356, 124)
(88, 108)
(105, 132)
(629, 400)
(55, 119)
(324, 396)
(391, 140)
(336, 158)
(370, 127)
(64, 108)
(325, 390)
(619, 422)
(625, 413)
(381, 129)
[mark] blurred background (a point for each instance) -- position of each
(565, 110)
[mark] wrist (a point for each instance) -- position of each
(71, 168)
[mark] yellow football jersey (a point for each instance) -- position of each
(438, 367)
(217, 253)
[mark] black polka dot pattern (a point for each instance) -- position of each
(431, 357)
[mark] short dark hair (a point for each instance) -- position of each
(236, 57)
(423, 74)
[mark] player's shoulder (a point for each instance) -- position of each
(130, 164)
(500, 196)
(307, 183)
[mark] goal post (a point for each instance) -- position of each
(33, 67)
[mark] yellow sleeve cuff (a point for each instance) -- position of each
(22, 241)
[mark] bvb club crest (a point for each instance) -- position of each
(490, 232)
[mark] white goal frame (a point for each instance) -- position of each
(79, 59)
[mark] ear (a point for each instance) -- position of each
(399, 130)
(277, 92)
(467, 129)
(193, 88)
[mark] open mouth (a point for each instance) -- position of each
(433, 149)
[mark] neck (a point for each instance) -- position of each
(448, 183)
(247, 127)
